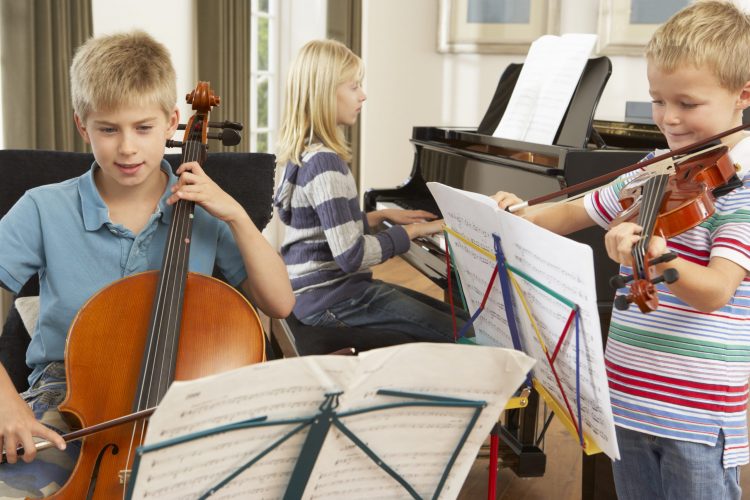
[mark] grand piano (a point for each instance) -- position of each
(474, 160)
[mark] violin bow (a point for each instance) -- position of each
(663, 163)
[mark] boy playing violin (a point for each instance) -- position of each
(82, 234)
(678, 376)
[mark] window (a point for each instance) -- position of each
(263, 74)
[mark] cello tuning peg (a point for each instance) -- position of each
(174, 144)
(226, 124)
(228, 136)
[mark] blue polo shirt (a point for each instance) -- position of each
(63, 232)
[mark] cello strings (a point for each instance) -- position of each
(168, 293)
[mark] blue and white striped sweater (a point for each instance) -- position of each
(326, 249)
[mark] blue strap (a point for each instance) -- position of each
(502, 272)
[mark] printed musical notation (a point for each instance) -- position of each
(415, 441)
(558, 263)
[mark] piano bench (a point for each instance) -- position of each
(292, 338)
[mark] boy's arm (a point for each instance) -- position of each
(18, 425)
(706, 288)
(560, 218)
(268, 283)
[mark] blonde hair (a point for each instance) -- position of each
(124, 68)
(710, 34)
(310, 100)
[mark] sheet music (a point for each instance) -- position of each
(414, 441)
(561, 264)
(545, 86)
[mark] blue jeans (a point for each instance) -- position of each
(52, 467)
(392, 307)
(657, 468)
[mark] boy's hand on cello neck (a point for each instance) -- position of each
(18, 425)
(195, 185)
(267, 285)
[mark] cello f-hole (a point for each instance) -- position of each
(95, 472)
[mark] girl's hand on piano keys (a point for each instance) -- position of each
(404, 217)
(424, 228)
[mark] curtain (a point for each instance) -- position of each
(344, 23)
(38, 40)
(224, 61)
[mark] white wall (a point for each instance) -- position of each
(408, 83)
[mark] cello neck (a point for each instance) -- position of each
(160, 361)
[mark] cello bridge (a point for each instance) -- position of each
(124, 476)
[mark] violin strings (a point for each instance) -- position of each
(651, 199)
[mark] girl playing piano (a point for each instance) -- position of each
(327, 247)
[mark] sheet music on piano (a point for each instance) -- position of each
(544, 88)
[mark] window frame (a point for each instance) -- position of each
(269, 76)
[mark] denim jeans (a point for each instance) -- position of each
(657, 468)
(52, 467)
(392, 307)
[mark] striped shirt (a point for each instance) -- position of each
(326, 249)
(677, 372)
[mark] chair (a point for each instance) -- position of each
(292, 338)
(248, 177)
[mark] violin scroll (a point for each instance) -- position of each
(643, 291)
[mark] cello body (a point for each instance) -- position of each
(220, 331)
(134, 337)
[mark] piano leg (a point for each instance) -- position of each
(597, 481)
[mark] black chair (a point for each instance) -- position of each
(248, 177)
(292, 338)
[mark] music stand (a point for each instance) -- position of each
(330, 426)
(318, 426)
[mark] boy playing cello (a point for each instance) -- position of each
(84, 233)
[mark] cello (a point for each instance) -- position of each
(134, 337)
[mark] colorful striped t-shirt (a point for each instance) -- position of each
(678, 372)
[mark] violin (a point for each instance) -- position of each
(675, 193)
(134, 337)
(668, 205)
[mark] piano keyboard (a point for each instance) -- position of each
(436, 239)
